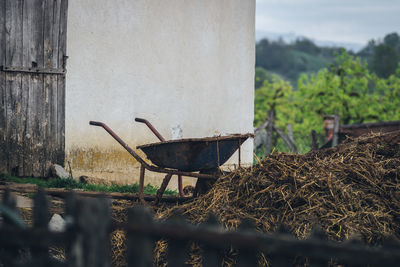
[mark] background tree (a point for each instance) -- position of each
(393, 40)
(384, 61)
(346, 88)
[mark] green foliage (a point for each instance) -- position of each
(279, 96)
(73, 184)
(273, 95)
(384, 61)
(343, 89)
(346, 88)
(260, 76)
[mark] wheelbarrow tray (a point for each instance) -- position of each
(194, 154)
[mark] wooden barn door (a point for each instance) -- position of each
(32, 85)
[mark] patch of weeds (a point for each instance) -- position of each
(30, 195)
(73, 184)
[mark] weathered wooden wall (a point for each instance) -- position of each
(32, 85)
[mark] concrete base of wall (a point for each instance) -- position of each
(119, 167)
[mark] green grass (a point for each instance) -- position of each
(73, 184)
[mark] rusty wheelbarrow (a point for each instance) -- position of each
(192, 157)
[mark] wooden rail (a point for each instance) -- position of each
(64, 193)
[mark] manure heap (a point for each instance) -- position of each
(352, 189)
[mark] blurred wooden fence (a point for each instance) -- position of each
(87, 240)
(263, 135)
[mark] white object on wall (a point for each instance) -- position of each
(176, 132)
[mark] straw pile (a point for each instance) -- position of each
(352, 189)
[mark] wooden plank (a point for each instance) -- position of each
(33, 87)
(33, 34)
(90, 245)
(51, 47)
(247, 256)
(213, 255)
(51, 33)
(140, 245)
(178, 250)
(62, 43)
(37, 47)
(314, 140)
(33, 70)
(290, 132)
(9, 255)
(29, 110)
(286, 139)
(336, 127)
(63, 193)
(41, 218)
(47, 85)
(14, 29)
(261, 127)
(60, 156)
(26, 154)
(54, 81)
(35, 124)
(3, 151)
(30, 237)
(37, 55)
(14, 18)
(268, 144)
(62, 55)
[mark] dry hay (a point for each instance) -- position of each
(352, 189)
(118, 237)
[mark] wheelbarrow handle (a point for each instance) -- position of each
(151, 127)
(96, 123)
(141, 120)
(119, 140)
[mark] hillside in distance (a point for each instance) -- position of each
(290, 60)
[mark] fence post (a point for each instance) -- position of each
(41, 217)
(140, 245)
(290, 132)
(74, 248)
(336, 127)
(212, 255)
(177, 249)
(91, 221)
(318, 234)
(281, 256)
(247, 257)
(8, 255)
(286, 139)
(10, 202)
(268, 144)
(314, 140)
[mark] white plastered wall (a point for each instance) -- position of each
(185, 62)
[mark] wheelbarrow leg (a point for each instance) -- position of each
(141, 183)
(180, 186)
(204, 185)
(162, 188)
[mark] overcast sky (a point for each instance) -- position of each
(351, 21)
